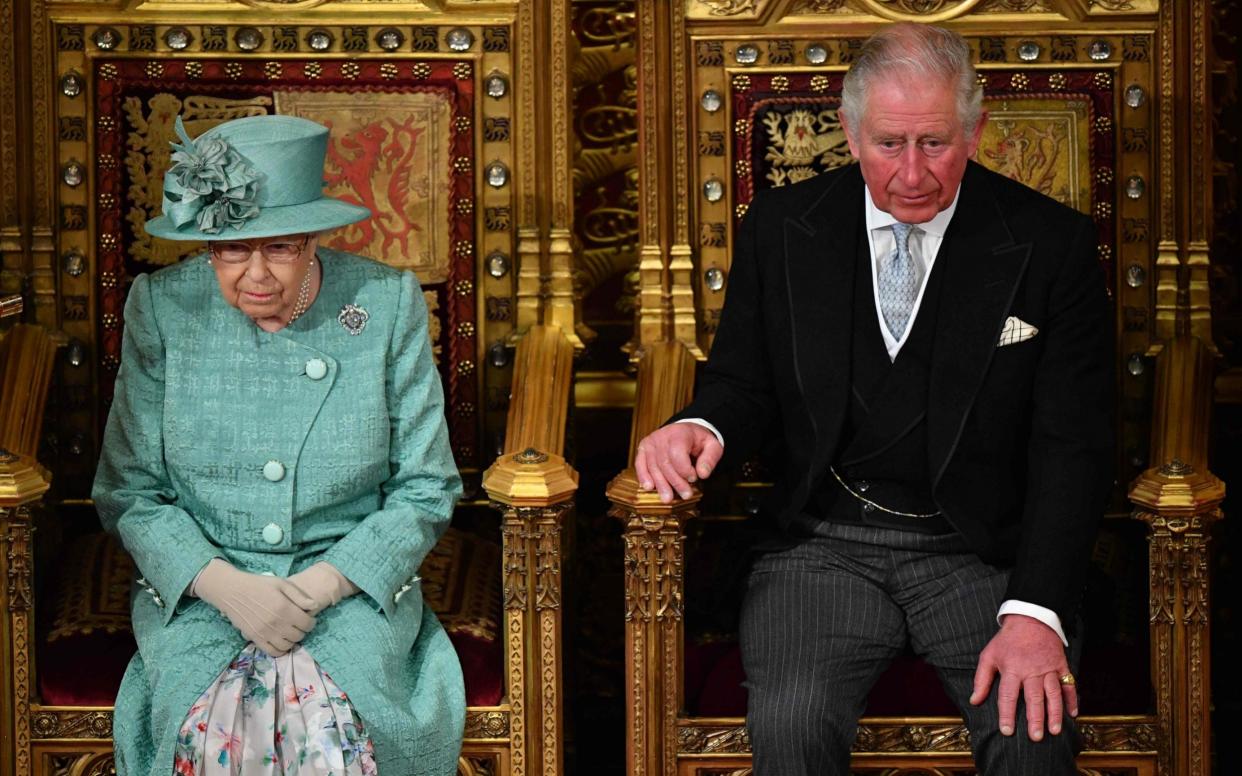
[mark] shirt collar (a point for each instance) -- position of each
(878, 219)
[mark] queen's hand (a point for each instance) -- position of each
(324, 584)
(272, 612)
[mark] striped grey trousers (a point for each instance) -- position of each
(821, 621)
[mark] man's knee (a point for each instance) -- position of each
(1018, 755)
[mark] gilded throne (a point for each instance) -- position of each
(1080, 97)
(425, 112)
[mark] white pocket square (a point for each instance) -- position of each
(1016, 330)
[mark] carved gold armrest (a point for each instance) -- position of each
(27, 360)
(1179, 500)
(22, 480)
(531, 473)
(534, 487)
(654, 619)
(654, 561)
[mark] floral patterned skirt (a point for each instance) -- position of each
(266, 716)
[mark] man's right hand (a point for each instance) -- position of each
(270, 611)
(672, 457)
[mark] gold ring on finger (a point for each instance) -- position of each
(1068, 680)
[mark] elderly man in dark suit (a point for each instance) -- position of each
(930, 344)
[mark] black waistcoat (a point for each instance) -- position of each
(883, 452)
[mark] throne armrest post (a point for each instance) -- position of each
(533, 487)
(10, 306)
(27, 359)
(654, 583)
(22, 483)
(1179, 500)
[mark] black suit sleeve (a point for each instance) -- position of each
(1070, 452)
(735, 387)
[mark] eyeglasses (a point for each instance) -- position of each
(281, 251)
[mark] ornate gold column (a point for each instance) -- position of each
(12, 230)
(533, 487)
(666, 259)
(36, 171)
(1179, 500)
(534, 491)
(1185, 173)
(529, 271)
(10, 218)
(654, 585)
(22, 482)
(546, 249)
(563, 307)
(654, 622)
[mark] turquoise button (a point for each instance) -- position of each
(272, 533)
(316, 369)
(274, 471)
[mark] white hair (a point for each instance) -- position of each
(910, 50)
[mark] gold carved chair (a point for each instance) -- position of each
(425, 109)
(27, 357)
(1081, 109)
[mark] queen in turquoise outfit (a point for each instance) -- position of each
(277, 463)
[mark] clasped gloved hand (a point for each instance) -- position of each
(323, 583)
(270, 611)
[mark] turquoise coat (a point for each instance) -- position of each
(363, 478)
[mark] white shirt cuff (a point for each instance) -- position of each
(706, 425)
(1035, 612)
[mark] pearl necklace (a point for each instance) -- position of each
(303, 300)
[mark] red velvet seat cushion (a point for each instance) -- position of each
(1113, 680)
(461, 582)
(87, 643)
(908, 688)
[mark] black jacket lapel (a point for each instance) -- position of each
(820, 244)
(982, 271)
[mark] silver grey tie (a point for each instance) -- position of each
(899, 283)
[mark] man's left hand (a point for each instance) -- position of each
(1030, 659)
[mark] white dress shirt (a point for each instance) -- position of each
(924, 243)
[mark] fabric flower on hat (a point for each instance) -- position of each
(226, 211)
(217, 187)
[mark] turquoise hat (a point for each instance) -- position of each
(261, 176)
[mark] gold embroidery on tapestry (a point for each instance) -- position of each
(390, 153)
(800, 140)
(1042, 143)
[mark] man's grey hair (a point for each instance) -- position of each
(917, 52)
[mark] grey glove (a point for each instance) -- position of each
(325, 584)
(270, 611)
